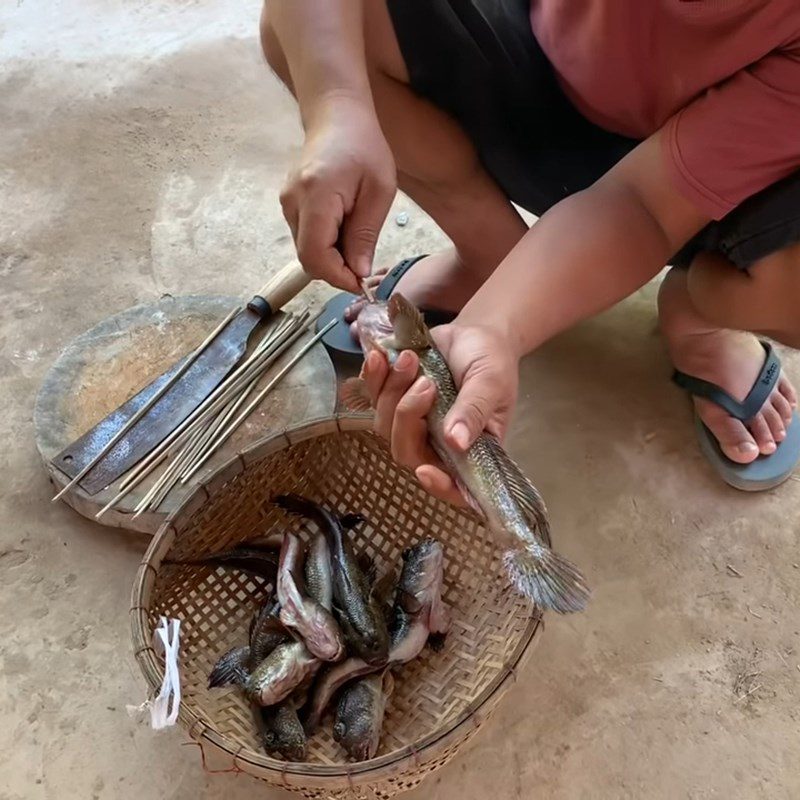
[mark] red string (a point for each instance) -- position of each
(235, 769)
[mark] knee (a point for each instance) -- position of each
(271, 47)
(765, 297)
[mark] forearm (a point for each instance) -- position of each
(323, 42)
(586, 254)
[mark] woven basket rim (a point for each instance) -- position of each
(149, 664)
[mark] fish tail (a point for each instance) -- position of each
(547, 578)
(230, 669)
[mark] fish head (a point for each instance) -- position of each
(287, 737)
(359, 718)
(374, 325)
(422, 576)
(409, 331)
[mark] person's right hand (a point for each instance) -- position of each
(337, 196)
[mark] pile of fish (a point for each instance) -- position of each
(333, 629)
(491, 483)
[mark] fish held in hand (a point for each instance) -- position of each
(360, 712)
(490, 481)
(359, 613)
(314, 624)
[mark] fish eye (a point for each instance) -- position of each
(340, 729)
(406, 553)
(269, 737)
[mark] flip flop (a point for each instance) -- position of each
(765, 472)
(340, 342)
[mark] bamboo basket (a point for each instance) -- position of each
(440, 699)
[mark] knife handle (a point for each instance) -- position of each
(279, 290)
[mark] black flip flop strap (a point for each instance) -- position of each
(392, 277)
(752, 404)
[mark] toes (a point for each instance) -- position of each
(774, 422)
(734, 439)
(782, 406)
(761, 432)
(788, 391)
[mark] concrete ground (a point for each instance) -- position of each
(141, 150)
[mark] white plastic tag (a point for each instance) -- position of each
(164, 708)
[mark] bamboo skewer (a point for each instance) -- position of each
(147, 406)
(209, 406)
(198, 437)
(262, 394)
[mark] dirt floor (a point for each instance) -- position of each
(141, 150)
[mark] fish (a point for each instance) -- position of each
(418, 611)
(285, 669)
(301, 614)
(265, 634)
(318, 572)
(491, 483)
(281, 731)
(254, 559)
(358, 612)
(231, 668)
(359, 714)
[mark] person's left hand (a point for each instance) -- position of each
(485, 370)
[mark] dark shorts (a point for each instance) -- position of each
(479, 61)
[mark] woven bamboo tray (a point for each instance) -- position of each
(440, 699)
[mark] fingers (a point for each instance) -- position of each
(478, 399)
(363, 225)
(409, 435)
(438, 483)
(315, 217)
(397, 383)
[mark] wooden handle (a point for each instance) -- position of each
(284, 286)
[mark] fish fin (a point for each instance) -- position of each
(436, 641)
(383, 587)
(440, 617)
(467, 495)
(231, 668)
(354, 395)
(547, 578)
(388, 683)
(367, 565)
(522, 490)
(408, 602)
(410, 330)
(302, 507)
(351, 521)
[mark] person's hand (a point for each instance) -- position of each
(337, 196)
(485, 369)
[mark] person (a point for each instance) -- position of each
(641, 134)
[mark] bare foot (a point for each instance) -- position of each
(439, 281)
(730, 359)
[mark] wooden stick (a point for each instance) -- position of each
(148, 405)
(122, 493)
(245, 373)
(264, 392)
(215, 400)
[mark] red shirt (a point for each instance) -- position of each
(720, 78)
